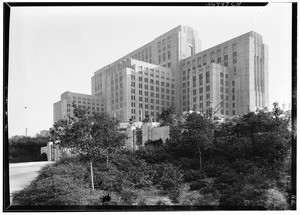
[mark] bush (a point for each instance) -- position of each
(167, 176)
(174, 195)
(78, 172)
(197, 185)
(142, 201)
(275, 200)
(128, 197)
(161, 202)
(111, 180)
(54, 190)
(191, 175)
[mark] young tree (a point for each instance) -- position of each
(90, 136)
(197, 133)
(169, 117)
(191, 136)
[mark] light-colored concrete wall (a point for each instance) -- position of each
(150, 131)
(64, 109)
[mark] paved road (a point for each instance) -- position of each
(21, 174)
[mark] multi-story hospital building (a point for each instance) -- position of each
(171, 70)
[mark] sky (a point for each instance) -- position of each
(57, 49)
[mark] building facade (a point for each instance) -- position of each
(230, 78)
(64, 108)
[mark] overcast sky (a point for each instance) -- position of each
(57, 49)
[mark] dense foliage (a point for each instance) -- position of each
(26, 149)
(89, 136)
(242, 162)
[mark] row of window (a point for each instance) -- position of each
(213, 55)
(82, 102)
(145, 71)
(164, 57)
(86, 107)
(143, 54)
(83, 99)
(164, 42)
(146, 113)
(151, 106)
(157, 95)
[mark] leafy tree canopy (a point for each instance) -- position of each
(89, 135)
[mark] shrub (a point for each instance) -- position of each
(55, 190)
(128, 197)
(191, 175)
(111, 180)
(174, 195)
(189, 198)
(161, 202)
(208, 199)
(142, 201)
(167, 176)
(197, 185)
(78, 172)
(275, 200)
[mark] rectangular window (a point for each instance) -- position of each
(204, 60)
(234, 46)
(200, 79)
(201, 90)
(225, 50)
(207, 77)
(207, 88)
(194, 81)
(234, 54)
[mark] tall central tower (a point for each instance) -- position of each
(165, 51)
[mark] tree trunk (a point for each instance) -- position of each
(92, 175)
(200, 160)
(106, 160)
